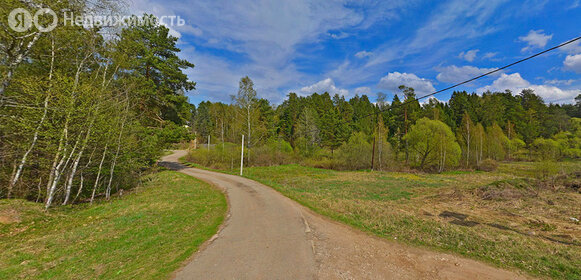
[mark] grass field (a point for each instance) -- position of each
(501, 217)
(146, 234)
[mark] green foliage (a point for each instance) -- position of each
(545, 149)
(433, 145)
(274, 152)
(150, 53)
(356, 153)
(544, 169)
(173, 133)
(84, 116)
(497, 143)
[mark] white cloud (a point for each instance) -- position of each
(455, 74)
(572, 48)
(427, 100)
(363, 90)
(189, 29)
(489, 55)
(573, 62)
(326, 85)
(450, 20)
(263, 36)
(340, 35)
(469, 55)
(554, 94)
(516, 84)
(512, 81)
(393, 80)
(363, 54)
(535, 39)
(560, 82)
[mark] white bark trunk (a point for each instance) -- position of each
(17, 60)
(108, 192)
(16, 176)
(98, 175)
(58, 174)
(69, 185)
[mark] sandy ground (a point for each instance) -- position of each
(268, 236)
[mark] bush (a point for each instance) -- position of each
(432, 145)
(223, 156)
(355, 154)
(545, 169)
(324, 163)
(545, 149)
(274, 152)
(488, 165)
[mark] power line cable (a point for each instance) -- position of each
(469, 80)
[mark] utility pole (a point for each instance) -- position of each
(242, 156)
(208, 143)
(373, 151)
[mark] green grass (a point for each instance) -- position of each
(146, 234)
(514, 234)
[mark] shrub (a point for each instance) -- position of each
(432, 145)
(274, 152)
(222, 156)
(488, 165)
(355, 154)
(544, 169)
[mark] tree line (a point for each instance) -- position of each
(84, 110)
(330, 131)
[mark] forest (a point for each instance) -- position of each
(470, 131)
(84, 110)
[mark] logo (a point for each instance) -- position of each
(46, 20)
(21, 20)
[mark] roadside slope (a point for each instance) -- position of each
(145, 234)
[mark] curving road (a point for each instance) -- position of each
(268, 236)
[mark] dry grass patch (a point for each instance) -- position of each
(501, 217)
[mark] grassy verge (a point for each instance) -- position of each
(497, 217)
(143, 235)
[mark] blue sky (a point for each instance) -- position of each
(365, 47)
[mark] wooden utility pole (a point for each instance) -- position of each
(373, 153)
(405, 123)
(373, 150)
(242, 156)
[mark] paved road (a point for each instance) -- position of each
(268, 236)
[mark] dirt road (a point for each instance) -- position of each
(269, 236)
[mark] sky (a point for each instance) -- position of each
(365, 47)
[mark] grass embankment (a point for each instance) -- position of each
(499, 217)
(146, 234)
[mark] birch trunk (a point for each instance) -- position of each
(15, 62)
(114, 162)
(82, 178)
(98, 174)
(24, 158)
(69, 184)
(58, 173)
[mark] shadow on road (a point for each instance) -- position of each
(172, 165)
